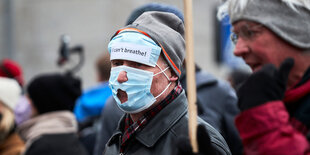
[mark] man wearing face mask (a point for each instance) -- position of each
(146, 58)
(272, 37)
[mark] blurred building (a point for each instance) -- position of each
(30, 31)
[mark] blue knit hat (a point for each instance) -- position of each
(154, 7)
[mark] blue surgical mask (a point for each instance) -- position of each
(137, 87)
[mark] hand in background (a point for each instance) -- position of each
(267, 84)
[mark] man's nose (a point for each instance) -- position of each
(122, 77)
(241, 48)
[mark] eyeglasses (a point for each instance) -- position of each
(246, 32)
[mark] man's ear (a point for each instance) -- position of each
(173, 77)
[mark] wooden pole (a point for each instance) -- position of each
(190, 75)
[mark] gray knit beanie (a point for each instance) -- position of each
(167, 30)
(292, 25)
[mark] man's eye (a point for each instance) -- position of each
(116, 63)
(139, 65)
(248, 34)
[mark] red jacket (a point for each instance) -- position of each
(269, 129)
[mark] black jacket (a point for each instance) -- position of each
(57, 144)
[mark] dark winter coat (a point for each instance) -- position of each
(160, 135)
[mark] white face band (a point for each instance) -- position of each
(134, 46)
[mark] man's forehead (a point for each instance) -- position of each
(243, 23)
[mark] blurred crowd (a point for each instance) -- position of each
(139, 105)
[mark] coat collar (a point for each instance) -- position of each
(163, 121)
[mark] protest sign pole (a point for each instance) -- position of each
(190, 75)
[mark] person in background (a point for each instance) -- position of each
(109, 118)
(90, 104)
(52, 129)
(272, 36)
(22, 110)
(10, 141)
(92, 101)
(11, 69)
(146, 58)
(213, 96)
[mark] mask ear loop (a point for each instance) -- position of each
(162, 71)
(163, 91)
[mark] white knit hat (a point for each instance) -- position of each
(10, 92)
